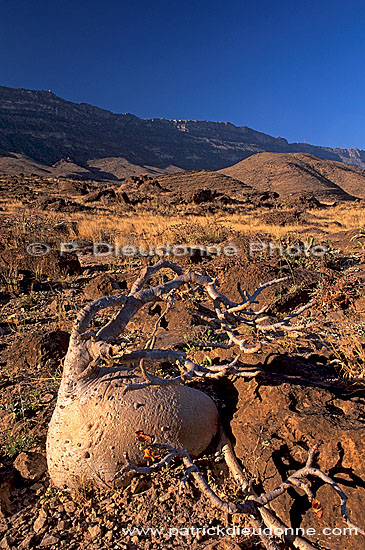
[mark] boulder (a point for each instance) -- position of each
(33, 264)
(30, 465)
(202, 195)
(101, 285)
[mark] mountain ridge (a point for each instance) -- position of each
(47, 129)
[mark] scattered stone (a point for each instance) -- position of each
(278, 217)
(3, 525)
(104, 195)
(165, 497)
(138, 485)
(7, 419)
(203, 195)
(62, 205)
(65, 228)
(40, 522)
(6, 483)
(108, 535)
(101, 285)
(27, 542)
(95, 531)
(5, 543)
(53, 503)
(36, 487)
(46, 398)
(48, 540)
(30, 465)
(359, 305)
(73, 188)
(69, 507)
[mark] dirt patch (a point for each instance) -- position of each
(274, 426)
(101, 285)
(39, 351)
(280, 218)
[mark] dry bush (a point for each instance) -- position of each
(348, 349)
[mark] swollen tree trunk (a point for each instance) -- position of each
(94, 423)
(93, 427)
(91, 431)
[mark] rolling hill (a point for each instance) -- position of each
(296, 172)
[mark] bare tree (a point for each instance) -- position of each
(108, 399)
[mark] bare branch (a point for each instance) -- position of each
(321, 475)
(148, 272)
(139, 296)
(151, 342)
(255, 504)
(87, 314)
(252, 299)
(192, 369)
(89, 352)
(282, 324)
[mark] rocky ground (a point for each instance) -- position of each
(311, 387)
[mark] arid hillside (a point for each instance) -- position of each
(288, 175)
(287, 372)
(105, 169)
(187, 183)
(296, 172)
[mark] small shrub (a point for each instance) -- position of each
(18, 444)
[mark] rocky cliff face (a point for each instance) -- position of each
(47, 128)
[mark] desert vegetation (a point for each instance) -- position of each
(247, 390)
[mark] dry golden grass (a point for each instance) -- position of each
(349, 216)
(128, 229)
(154, 228)
(11, 206)
(150, 229)
(250, 224)
(348, 348)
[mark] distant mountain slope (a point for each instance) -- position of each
(185, 183)
(108, 169)
(121, 168)
(15, 163)
(47, 129)
(296, 172)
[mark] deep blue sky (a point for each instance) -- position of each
(288, 68)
